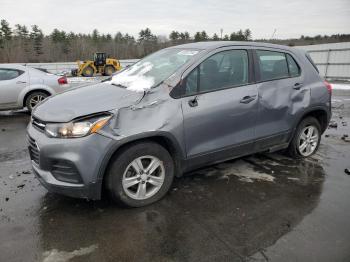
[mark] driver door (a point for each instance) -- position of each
(220, 106)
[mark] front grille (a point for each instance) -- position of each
(64, 170)
(33, 150)
(38, 124)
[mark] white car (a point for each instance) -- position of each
(23, 86)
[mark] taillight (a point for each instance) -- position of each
(329, 86)
(62, 80)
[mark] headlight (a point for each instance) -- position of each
(78, 128)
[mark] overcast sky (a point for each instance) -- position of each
(291, 18)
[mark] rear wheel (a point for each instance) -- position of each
(140, 175)
(306, 139)
(88, 71)
(35, 98)
(109, 70)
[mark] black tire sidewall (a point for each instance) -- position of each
(30, 97)
(294, 147)
(106, 68)
(92, 70)
(124, 158)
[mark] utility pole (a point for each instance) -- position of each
(273, 34)
(221, 30)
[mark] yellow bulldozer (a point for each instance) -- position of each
(100, 65)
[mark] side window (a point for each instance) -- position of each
(8, 74)
(222, 70)
(273, 65)
(294, 69)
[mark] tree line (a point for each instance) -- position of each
(21, 44)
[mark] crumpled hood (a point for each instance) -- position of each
(85, 101)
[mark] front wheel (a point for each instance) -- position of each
(306, 139)
(140, 174)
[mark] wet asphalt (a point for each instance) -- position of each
(265, 207)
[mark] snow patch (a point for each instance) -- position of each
(135, 78)
(244, 172)
(62, 256)
(341, 86)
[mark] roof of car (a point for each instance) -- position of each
(209, 45)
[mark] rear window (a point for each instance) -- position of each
(312, 62)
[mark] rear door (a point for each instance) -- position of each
(281, 92)
(12, 81)
(220, 105)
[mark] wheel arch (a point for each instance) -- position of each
(33, 91)
(164, 139)
(320, 113)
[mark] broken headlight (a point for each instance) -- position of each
(78, 128)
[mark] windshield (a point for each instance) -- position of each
(153, 69)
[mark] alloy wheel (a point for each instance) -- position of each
(143, 177)
(308, 140)
(34, 100)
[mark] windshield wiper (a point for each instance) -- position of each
(119, 85)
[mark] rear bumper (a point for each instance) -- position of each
(71, 167)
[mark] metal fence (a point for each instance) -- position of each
(332, 60)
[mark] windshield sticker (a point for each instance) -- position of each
(187, 52)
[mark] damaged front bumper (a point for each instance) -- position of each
(71, 167)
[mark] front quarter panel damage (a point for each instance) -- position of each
(157, 114)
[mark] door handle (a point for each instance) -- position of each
(247, 99)
(297, 86)
(21, 82)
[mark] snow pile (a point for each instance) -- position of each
(341, 86)
(244, 171)
(135, 78)
(63, 256)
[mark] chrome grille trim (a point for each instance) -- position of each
(34, 150)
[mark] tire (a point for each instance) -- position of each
(109, 70)
(122, 171)
(296, 147)
(74, 72)
(88, 71)
(34, 98)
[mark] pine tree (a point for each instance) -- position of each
(197, 37)
(248, 34)
(37, 36)
(174, 35)
(6, 30)
(5, 39)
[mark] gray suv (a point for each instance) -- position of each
(176, 110)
